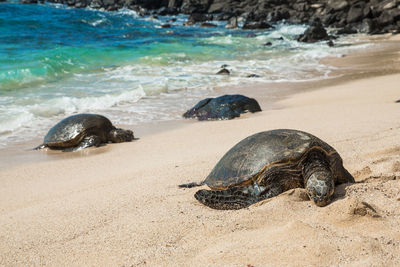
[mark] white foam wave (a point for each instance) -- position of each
(96, 22)
(129, 12)
(13, 119)
(21, 120)
(68, 105)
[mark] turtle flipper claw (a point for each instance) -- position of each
(190, 185)
(40, 147)
(230, 199)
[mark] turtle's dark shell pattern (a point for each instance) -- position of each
(71, 130)
(225, 107)
(262, 151)
(268, 163)
(84, 130)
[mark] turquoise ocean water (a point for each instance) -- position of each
(56, 61)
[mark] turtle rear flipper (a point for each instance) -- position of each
(190, 185)
(40, 147)
(229, 199)
(88, 141)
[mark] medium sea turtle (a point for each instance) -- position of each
(84, 130)
(268, 163)
(224, 107)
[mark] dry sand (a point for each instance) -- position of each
(119, 205)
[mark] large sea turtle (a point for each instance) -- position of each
(84, 130)
(268, 163)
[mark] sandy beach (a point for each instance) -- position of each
(119, 205)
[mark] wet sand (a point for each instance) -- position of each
(119, 205)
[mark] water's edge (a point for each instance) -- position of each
(383, 60)
(131, 69)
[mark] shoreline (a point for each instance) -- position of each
(353, 66)
(123, 207)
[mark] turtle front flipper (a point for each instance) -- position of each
(234, 198)
(88, 141)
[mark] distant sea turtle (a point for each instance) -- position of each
(268, 163)
(84, 130)
(224, 107)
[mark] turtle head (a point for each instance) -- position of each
(320, 187)
(118, 135)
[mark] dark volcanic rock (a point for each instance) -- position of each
(153, 4)
(197, 17)
(29, 1)
(224, 71)
(369, 16)
(195, 6)
(96, 4)
(256, 25)
(368, 26)
(232, 23)
(347, 30)
(338, 5)
(80, 5)
(316, 32)
(389, 17)
(278, 14)
(164, 11)
(356, 13)
(208, 25)
(218, 6)
(175, 3)
(225, 107)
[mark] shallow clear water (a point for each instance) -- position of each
(56, 61)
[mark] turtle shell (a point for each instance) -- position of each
(225, 107)
(71, 130)
(264, 150)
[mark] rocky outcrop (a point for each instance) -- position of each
(367, 16)
(195, 6)
(27, 1)
(256, 25)
(232, 23)
(198, 17)
(316, 32)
